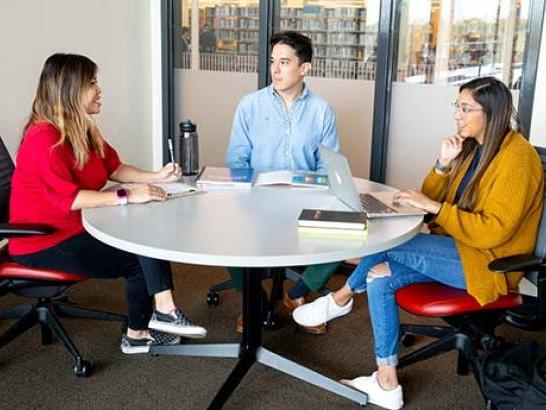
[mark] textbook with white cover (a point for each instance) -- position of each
(291, 178)
(219, 177)
(173, 189)
(332, 232)
(176, 189)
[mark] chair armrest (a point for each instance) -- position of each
(17, 230)
(524, 262)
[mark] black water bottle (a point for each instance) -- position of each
(188, 148)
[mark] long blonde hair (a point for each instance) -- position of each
(59, 100)
(496, 101)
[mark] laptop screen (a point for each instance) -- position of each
(341, 178)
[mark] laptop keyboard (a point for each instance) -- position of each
(373, 205)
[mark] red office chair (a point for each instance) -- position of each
(47, 286)
(471, 328)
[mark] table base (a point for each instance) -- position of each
(250, 351)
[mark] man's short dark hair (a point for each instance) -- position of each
(300, 43)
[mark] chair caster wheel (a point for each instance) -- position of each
(82, 368)
(270, 324)
(213, 298)
(270, 321)
(407, 339)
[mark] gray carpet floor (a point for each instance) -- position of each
(33, 376)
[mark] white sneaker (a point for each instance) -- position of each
(388, 399)
(320, 311)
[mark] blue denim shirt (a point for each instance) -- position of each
(267, 137)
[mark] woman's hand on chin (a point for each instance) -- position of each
(450, 148)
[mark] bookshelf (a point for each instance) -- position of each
(337, 33)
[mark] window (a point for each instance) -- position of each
(453, 41)
(344, 35)
(228, 35)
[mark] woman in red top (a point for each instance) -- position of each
(62, 165)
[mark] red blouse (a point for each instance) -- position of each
(45, 183)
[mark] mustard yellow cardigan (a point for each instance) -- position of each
(505, 218)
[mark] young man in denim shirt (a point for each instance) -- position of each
(280, 127)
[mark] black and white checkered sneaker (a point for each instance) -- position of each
(162, 338)
(133, 346)
(176, 324)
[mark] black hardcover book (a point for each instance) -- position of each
(320, 218)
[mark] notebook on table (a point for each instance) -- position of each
(221, 177)
(375, 204)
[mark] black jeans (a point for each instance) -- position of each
(85, 255)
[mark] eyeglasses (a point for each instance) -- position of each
(464, 109)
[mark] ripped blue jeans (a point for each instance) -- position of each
(425, 258)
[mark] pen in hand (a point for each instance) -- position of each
(171, 152)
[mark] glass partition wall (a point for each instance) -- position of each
(437, 45)
(449, 42)
(443, 44)
(344, 35)
(218, 45)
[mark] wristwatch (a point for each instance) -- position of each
(441, 168)
(123, 196)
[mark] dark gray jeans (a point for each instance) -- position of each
(85, 255)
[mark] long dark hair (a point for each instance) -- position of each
(495, 100)
(64, 80)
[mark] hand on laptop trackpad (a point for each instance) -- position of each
(400, 207)
(385, 197)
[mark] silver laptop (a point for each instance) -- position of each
(376, 204)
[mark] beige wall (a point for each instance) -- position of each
(115, 34)
(420, 118)
(352, 101)
(209, 99)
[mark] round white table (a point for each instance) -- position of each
(249, 228)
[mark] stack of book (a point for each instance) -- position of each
(342, 224)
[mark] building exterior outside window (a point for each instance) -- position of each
(453, 41)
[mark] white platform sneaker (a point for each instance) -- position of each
(388, 399)
(320, 311)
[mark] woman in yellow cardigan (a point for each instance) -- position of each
(485, 195)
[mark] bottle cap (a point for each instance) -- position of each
(187, 126)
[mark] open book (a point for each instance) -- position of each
(295, 179)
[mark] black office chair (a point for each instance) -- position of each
(46, 286)
(472, 328)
